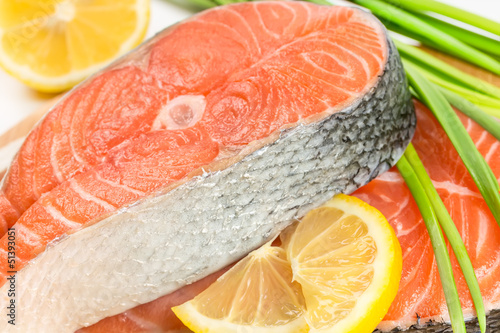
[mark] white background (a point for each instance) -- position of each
(17, 101)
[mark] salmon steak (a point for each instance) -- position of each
(191, 151)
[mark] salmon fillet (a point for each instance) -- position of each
(192, 151)
(420, 297)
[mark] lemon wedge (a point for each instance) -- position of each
(256, 295)
(52, 45)
(348, 261)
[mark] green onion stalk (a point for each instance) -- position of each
(449, 229)
(486, 44)
(440, 39)
(441, 86)
(422, 6)
(476, 165)
(438, 244)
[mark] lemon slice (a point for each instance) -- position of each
(345, 257)
(348, 261)
(256, 295)
(52, 45)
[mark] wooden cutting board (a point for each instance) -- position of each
(23, 127)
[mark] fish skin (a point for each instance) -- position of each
(156, 316)
(138, 254)
(471, 326)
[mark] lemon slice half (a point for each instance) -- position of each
(51, 45)
(348, 261)
(256, 295)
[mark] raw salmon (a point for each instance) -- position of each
(194, 150)
(77, 134)
(420, 298)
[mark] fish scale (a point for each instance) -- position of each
(139, 253)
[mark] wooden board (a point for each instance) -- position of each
(23, 127)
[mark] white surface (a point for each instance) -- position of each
(18, 101)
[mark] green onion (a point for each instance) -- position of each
(393, 27)
(491, 175)
(489, 123)
(473, 96)
(438, 66)
(451, 233)
(321, 2)
(203, 3)
(480, 42)
(469, 94)
(438, 244)
(490, 110)
(440, 39)
(226, 2)
(449, 11)
(473, 160)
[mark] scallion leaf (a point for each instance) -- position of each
(439, 66)
(449, 11)
(490, 110)
(203, 3)
(489, 123)
(491, 175)
(473, 160)
(321, 2)
(480, 42)
(471, 95)
(225, 2)
(437, 239)
(451, 233)
(449, 43)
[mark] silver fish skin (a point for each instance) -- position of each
(168, 240)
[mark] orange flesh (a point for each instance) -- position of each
(255, 67)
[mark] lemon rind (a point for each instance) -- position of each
(199, 323)
(369, 311)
